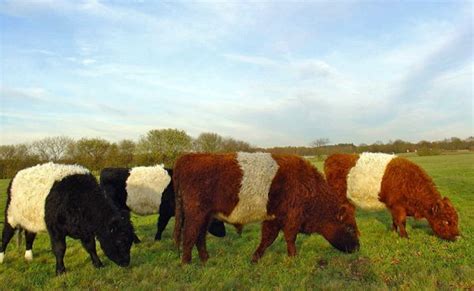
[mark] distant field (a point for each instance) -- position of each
(384, 260)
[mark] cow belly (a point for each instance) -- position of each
(365, 179)
(143, 201)
(258, 171)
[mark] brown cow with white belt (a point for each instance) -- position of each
(285, 192)
(376, 181)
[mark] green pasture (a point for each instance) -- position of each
(385, 261)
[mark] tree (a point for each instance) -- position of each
(163, 146)
(51, 148)
(208, 142)
(232, 145)
(14, 158)
(89, 152)
(120, 154)
(456, 143)
(318, 144)
(398, 146)
(126, 150)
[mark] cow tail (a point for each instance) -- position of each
(19, 237)
(179, 217)
(9, 196)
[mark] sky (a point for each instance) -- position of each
(271, 73)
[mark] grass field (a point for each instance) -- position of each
(384, 261)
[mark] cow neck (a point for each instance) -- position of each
(318, 214)
(322, 205)
(427, 202)
(101, 213)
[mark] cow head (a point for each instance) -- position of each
(444, 219)
(117, 238)
(341, 231)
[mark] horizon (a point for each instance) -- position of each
(309, 145)
(271, 74)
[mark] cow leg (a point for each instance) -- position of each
(394, 226)
(290, 233)
(163, 220)
(399, 218)
(192, 226)
(58, 244)
(136, 240)
(7, 234)
(201, 242)
(270, 231)
(89, 244)
(29, 239)
(217, 228)
(239, 228)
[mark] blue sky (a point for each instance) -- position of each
(271, 73)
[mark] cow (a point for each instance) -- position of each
(284, 192)
(65, 200)
(145, 191)
(376, 181)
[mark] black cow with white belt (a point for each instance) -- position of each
(146, 191)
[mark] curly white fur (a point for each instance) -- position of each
(258, 171)
(29, 190)
(145, 186)
(365, 179)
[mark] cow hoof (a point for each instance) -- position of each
(157, 238)
(98, 265)
(204, 258)
(60, 272)
(185, 261)
(255, 259)
(29, 255)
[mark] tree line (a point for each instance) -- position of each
(163, 146)
(320, 147)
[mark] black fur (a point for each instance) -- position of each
(8, 230)
(76, 207)
(114, 181)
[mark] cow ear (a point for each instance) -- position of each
(447, 201)
(437, 206)
(113, 224)
(343, 212)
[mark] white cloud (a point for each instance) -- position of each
(253, 60)
(26, 94)
(312, 68)
(86, 62)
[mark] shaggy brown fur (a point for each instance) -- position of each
(336, 169)
(299, 200)
(406, 190)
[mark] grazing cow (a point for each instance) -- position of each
(285, 192)
(66, 200)
(144, 191)
(376, 181)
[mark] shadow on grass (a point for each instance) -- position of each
(384, 217)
